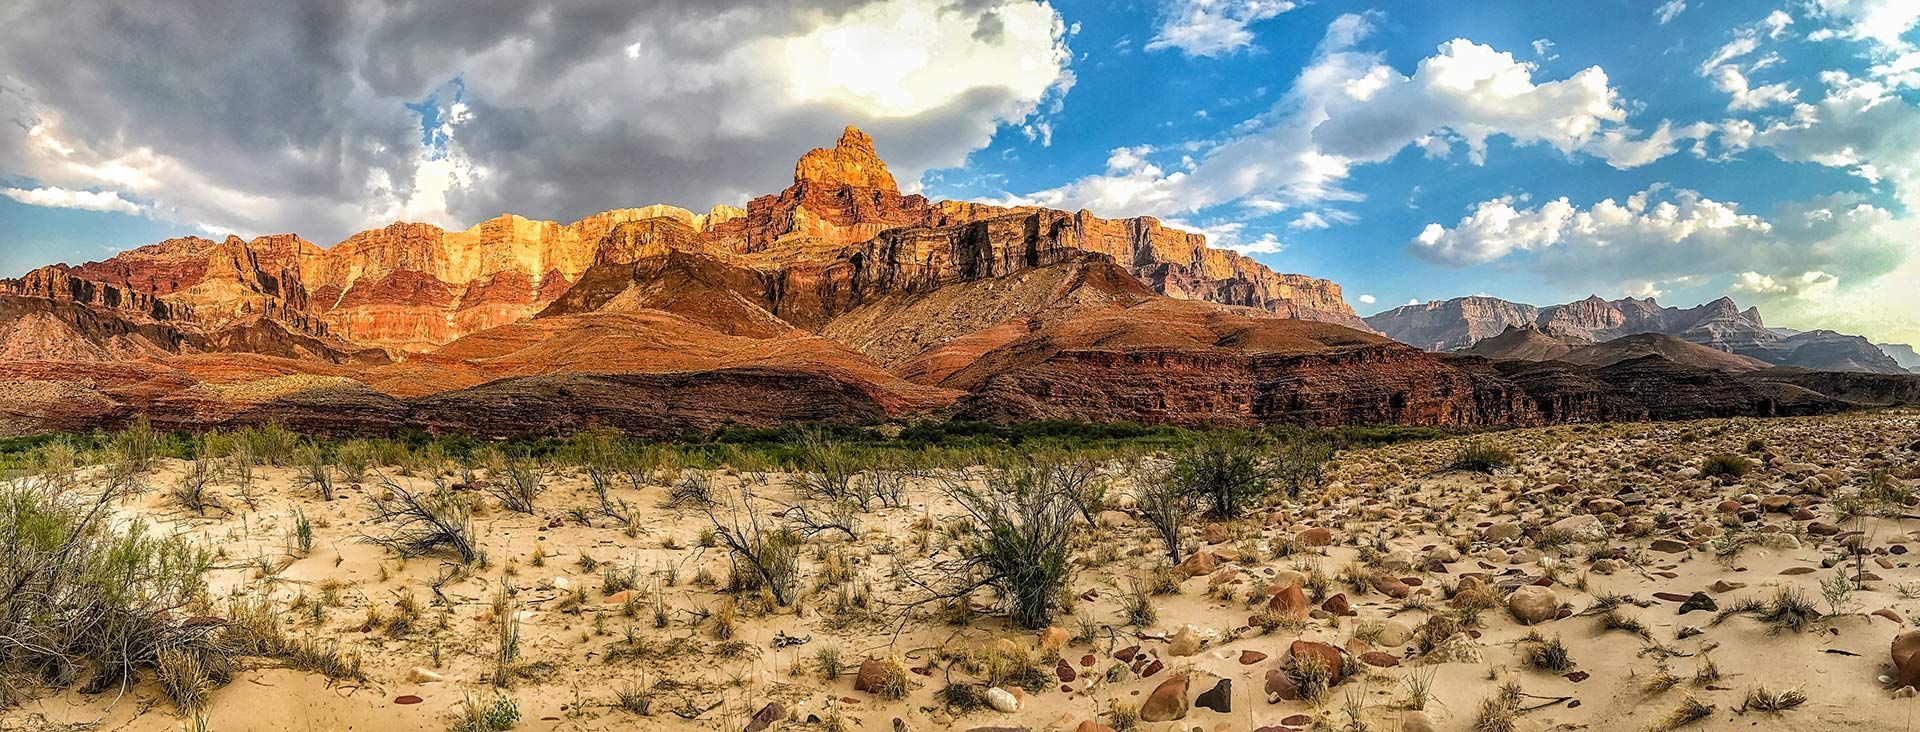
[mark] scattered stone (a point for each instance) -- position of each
(1906, 658)
(1167, 702)
(768, 715)
(1219, 698)
(1533, 604)
(1669, 546)
(1185, 642)
(405, 699)
(1002, 700)
(1250, 657)
(1698, 601)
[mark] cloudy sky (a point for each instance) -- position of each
(1685, 149)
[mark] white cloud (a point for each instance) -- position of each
(1232, 235)
(1309, 221)
(1367, 300)
(1211, 28)
(1879, 22)
(1349, 108)
(1747, 98)
(1543, 48)
(1861, 126)
(106, 201)
(1776, 24)
(1667, 235)
(1669, 10)
(1745, 41)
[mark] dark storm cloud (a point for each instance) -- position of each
(290, 116)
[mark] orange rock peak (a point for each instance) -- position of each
(850, 162)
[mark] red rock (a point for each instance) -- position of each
(1250, 657)
(407, 699)
(1317, 536)
(1303, 650)
(1379, 659)
(1338, 605)
(1166, 702)
(1289, 601)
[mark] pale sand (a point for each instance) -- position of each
(1390, 493)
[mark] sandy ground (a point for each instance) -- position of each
(1413, 518)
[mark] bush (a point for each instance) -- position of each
(1726, 465)
(423, 523)
(1225, 473)
(79, 594)
(517, 486)
(1480, 457)
(1021, 542)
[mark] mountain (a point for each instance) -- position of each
(1902, 354)
(1463, 322)
(1525, 343)
(837, 299)
(1627, 348)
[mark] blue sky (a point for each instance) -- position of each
(1702, 147)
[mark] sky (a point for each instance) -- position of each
(1767, 150)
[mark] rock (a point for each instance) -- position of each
(1092, 726)
(768, 715)
(1054, 638)
(1394, 633)
(1698, 601)
(1502, 531)
(1417, 722)
(1607, 566)
(1279, 686)
(1581, 528)
(1219, 698)
(1167, 702)
(1064, 671)
(1379, 660)
(873, 676)
(407, 699)
(1213, 533)
(1906, 658)
(1303, 651)
(1250, 657)
(1890, 614)
(1338, 605)
(1532, 604)
(1115, 519)
(421, 675)
(1391, 586)
(1317, 536)
(1199, 564)
(1669, 546)
(1724, 586)
(1290, 601)
(1002, 700)
(1185, 642)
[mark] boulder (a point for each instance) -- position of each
(1532, 604)
(768, 715)
(1305, 650)
(1167, 702)
(1906, 658)
(1219, 698)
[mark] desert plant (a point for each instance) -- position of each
(315, 473)
(1165, 505)
(417, 524)
(193, 491)
(1225, 473)
(496, 714)
(764, 555)
(1726, 466)
(80, 593)
(1020, 542)
(1480, 457)
(520, 485)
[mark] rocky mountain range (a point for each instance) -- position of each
(836, 299)
(1461, 323)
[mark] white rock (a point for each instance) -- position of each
(1002, 700)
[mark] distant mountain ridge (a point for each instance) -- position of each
(1460, 323)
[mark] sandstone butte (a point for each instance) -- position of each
(837, 299)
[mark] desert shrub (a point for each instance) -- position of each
(1481, 457)
(79, 595)
(497, 714)
(1299, 459)
(194, 489)
(1020, 542)
(517, 486)
(315, 473)
(764, 555)
(417, 524)
(1726, 466)
(1225, 473)
(1165, 504)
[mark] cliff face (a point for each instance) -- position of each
(413, 287)
(1463, 322)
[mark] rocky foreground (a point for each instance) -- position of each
(1717, 574)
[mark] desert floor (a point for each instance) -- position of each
(1615, 522)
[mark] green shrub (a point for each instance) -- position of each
(1726, 465)
(1225, 473)
(1481, 457)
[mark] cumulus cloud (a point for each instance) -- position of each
(1879, 22)
(1211, 28)
(1668, 235)
(1745, 97)
(1349, 107)
(62, 198)
(1368, 300)
(1232, 235)
(299, 122)
(1861, 126)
